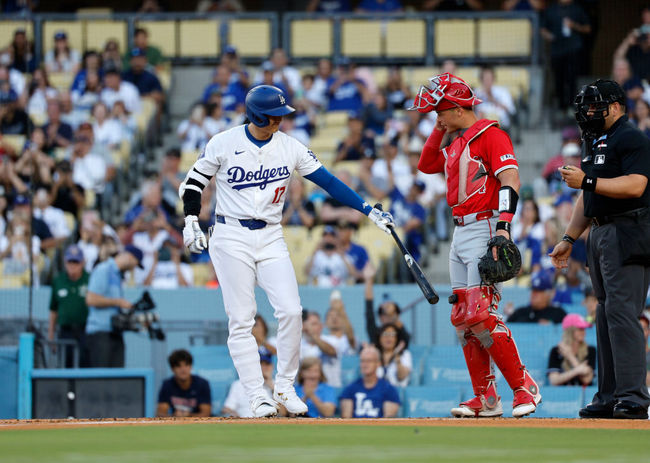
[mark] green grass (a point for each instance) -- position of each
(227, 442)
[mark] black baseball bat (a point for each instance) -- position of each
(426, 288)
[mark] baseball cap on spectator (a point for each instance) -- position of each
(570, 132)
(267, 66)
(135, 52)
(73, 253)
(526, 192)
(21, 200)
(135, 252)
(420, 185)
(344, 62)
(541, 281)
(111, 69)
(60, 35)
(230, 50)
(329, 230)
(415, 145)
(564, 198)
(346, 224)
(8, 97)
(574, 320)
(265, 355)
(173, 153)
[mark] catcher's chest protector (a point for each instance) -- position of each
(466, 176)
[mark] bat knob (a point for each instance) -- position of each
(379, 206)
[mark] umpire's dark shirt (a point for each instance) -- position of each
(622, 150)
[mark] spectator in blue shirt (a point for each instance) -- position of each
(369, 396)
(146, 82)
(329, 6)
(355, 252)
(379, 6)
(184, 394)
(105, 298)
(345, 92)
(410, 215)
(312, 389)
(91, 62)
(232, 93)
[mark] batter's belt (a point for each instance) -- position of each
(251, 224)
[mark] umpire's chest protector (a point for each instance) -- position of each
(466, 176)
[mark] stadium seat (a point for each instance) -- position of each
(301, 247)
(414, 47)
(560, 402)
(379, 245)
(470, 74)
(323, 144)
(98, 32)
(361, 38)
(17, 142)
(213, 363)
(162, 34)
(202, 273)
(454, 37)
(252, 37)
(504, 37)
(335, 119)
(419, 76)
(419, 354)
(380, 75)
(425, 401)
(311, 38)
(7, 29)
(516, 78)
(349, 369)
(188, 158)
(94, 11)
(73, 29)
(353, 167)
(61, 81)
(588, 394)
(445, 366)
(198, 38)
(219, 392)
(534, 342)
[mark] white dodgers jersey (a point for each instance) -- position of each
(251, 181)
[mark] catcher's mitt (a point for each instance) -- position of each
(506, 267)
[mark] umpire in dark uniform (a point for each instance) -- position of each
(615, 202)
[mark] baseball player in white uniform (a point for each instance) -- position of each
(252, 164)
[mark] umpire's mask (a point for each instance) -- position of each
(592, 105)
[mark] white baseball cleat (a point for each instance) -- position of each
(291, 402)
(482, 406)
(526, 398)
(263, 407)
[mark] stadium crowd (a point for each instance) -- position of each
(62, 151)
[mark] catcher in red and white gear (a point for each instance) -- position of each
(482, 184)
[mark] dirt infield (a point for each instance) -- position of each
(418, 422)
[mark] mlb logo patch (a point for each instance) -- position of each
(505, 157)
(600, 159)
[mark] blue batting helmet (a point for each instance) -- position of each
(263, 101)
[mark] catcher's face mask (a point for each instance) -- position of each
(444, 92)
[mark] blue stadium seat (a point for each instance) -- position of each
(209, 355)
(560, 402)
(588, 394)
(423, 401)
(445, 366)
(219, 391)
(419, 354)
(535, 342)
(349, 369)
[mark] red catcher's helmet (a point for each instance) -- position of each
(444, 92)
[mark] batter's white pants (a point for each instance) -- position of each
(241, 258)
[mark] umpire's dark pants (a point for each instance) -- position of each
(621, 292)
(105, 350)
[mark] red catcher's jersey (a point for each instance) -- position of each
(471, 163)
(490, 153)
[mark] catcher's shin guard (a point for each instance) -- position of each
(497, 339)
(480, 300)
(458, 308)
(477, 359)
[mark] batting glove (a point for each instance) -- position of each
(193, 237)
(382, 219)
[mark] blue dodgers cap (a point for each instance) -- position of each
(135, 252)
(230, 50)
(563, 198)
(329, 230)
(60, 35)
(73, 254)
(265, 355)
(541, 281)
(137, 52)
(420, 185)
(21, 200)
(8, 96)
